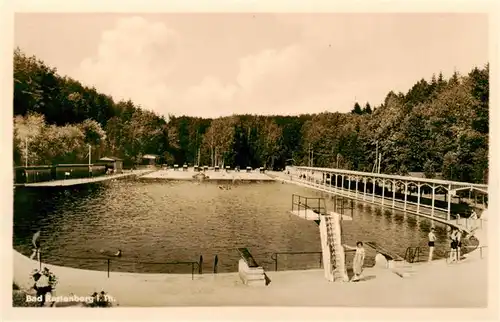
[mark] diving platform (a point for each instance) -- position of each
(307, 214)
(329, 224)
(311, 208)
(308, 208)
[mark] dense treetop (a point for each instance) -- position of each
(437, 126)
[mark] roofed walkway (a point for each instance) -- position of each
(386, 190)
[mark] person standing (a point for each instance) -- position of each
(454, 245)
(36, 245)
(358, 262)
(432, 240)
(458, 238)
(43, 287)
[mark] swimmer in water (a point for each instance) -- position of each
(117, 254)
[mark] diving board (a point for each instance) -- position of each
(310, 214)
(307, 214)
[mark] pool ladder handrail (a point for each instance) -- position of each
(412, 253)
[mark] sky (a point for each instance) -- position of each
(210, 65)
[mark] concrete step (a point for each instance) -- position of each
(404, 269)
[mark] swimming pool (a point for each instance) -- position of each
(179, 221)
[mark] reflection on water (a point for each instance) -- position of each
(179, 221)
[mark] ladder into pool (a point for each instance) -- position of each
(330, 232)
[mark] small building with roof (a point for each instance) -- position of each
(112, 163)
(150, 159)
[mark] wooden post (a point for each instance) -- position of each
(406, 194)
(448, 215)
(336, 183)
(26, 161)
(373, 189)
(383, 191)
(364, 188)
(393, 194)
(433, 197)
(357, 179)
(418, 199)
(349, 185)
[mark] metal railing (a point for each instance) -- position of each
(108, 260)
(412, 253)
(469, 223)
(315, 204)
(274, 257)
(216, 263)
(339, 205)
(367, 197)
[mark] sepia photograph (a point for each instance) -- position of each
(241, 159)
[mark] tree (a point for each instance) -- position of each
(357, 109)
(367, 109)
(429, 170)
(94, 136)
(219, 139)
(440, 123)
(450, 166)
(270, 135)
(403, 170)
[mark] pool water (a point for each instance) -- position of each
(155, 223)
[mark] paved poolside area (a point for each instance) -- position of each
(222, 175)
(434, 285)
(74, 182)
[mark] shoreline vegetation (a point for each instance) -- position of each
(439, 126)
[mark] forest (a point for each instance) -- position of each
(438, 127)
